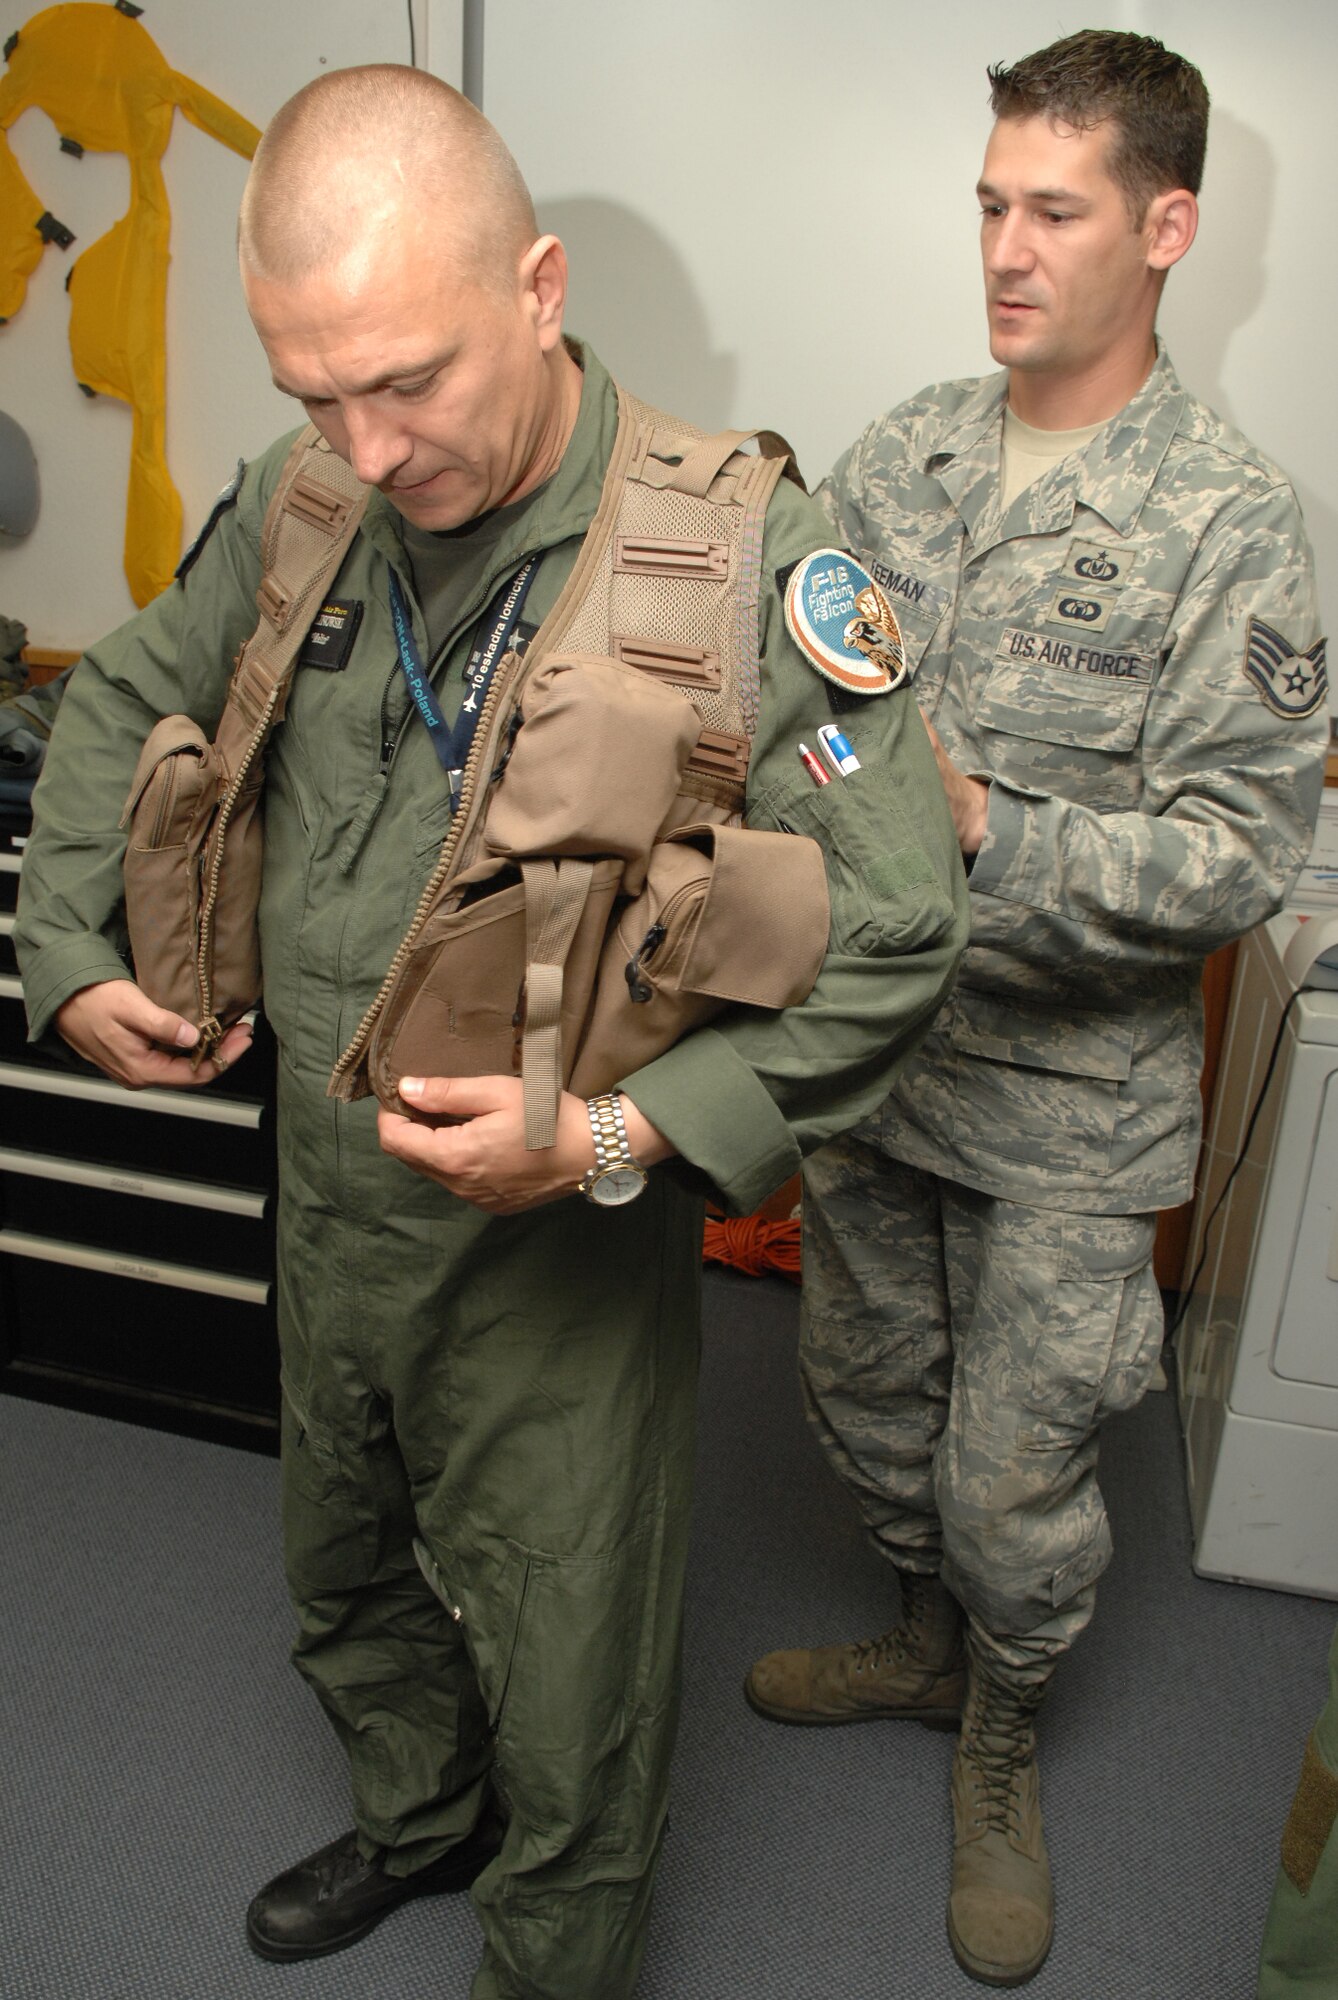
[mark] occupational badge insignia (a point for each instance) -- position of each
(1292, 684)
(842, 622)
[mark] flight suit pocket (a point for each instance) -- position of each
(433, 828)
(1038, 1085)
(331, 1534)
(562, 1720)
(886, 895)
(294, 823)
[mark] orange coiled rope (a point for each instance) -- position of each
(752, 1244)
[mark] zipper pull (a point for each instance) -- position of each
(636, 985)
(211, 1034)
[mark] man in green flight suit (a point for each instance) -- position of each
(488, 1381)
(1109, 601)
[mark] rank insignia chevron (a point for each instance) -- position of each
(1293, 684)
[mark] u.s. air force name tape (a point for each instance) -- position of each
(843, 623)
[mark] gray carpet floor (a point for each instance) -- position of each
(160, 1759)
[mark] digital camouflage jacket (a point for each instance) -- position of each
(1132, 659)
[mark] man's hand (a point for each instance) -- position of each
(116, 1026)
(968, 798)
(484, 1160)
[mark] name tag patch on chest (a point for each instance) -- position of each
(1074, 655)
(1096, 565)
(911, 589)
(329, 644)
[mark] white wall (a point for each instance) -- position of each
(769, 209)
(770, 204)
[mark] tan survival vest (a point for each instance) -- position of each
(596, 896)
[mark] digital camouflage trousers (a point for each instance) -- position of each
(958, 1352)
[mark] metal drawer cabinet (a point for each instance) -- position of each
(136, 1233)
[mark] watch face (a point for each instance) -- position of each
(617, 1185)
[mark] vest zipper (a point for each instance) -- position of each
(211, 1028)
(462, 824)
(162, 819)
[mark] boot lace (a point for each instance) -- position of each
(999, 1747)
(906, 1643)
(344, 1865)
(890, 1649)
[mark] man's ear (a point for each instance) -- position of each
(543, 285)
(1169, 227)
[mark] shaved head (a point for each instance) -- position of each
(363, 156)
(394, 272)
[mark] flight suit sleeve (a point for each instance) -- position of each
(745, 1098)
(175, 656)
(1231, 777)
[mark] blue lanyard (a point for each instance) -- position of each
(453, 745)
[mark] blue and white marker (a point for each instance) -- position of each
(836, 748)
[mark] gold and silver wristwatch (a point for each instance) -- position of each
(615, 1177)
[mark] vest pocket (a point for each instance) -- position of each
(172, 814)
(459, 1007)
(726, 916)
(596, 764)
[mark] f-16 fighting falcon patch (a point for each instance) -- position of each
(1292, 684)
(842, 622)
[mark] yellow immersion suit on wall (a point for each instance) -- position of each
(105, 85)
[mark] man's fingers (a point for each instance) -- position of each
(116, 1026)
(461, 1096)
(232, 1047)
(408, 1140)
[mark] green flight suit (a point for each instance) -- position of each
(516, 1393)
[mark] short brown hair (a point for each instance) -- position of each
(1157, 102)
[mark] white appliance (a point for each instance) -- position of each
(1258, 1349)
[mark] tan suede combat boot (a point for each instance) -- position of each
(1001, 1911)
(916, 1672)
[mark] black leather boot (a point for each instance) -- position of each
(334, 1897)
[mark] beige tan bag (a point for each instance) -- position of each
(727, 917)
(193, 858)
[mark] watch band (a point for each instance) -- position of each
(610, 1132)
(613, 1154)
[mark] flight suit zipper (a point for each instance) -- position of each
(455, 852)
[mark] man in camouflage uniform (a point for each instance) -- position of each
(1108, 604)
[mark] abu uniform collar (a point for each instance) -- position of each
(1112, 477)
